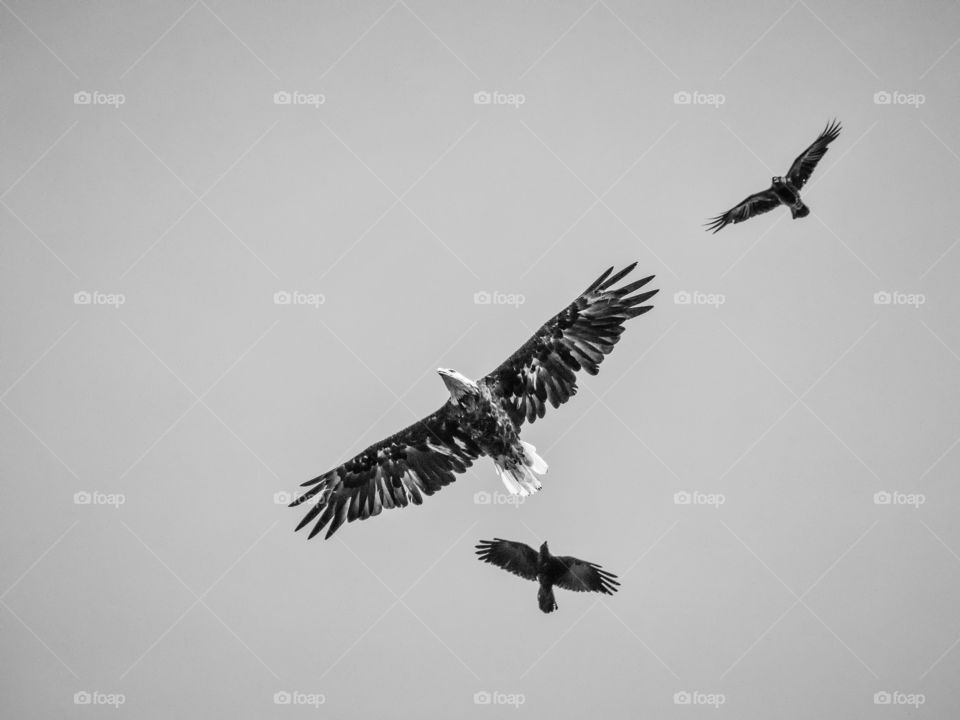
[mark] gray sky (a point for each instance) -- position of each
(149, 167)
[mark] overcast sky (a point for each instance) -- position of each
(172, 173)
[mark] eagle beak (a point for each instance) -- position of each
(448, 380)
(455, 383)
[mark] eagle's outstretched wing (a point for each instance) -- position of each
(544, 368)
(582, 576)
(756, 204)
(806, 162)
(512, 556)
(417, 461)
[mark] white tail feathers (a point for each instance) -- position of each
(522, 479)
(534, 461)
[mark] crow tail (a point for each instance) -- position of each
(547, 602)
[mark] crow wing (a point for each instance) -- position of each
(417, 461)
(806, 162)
(756, 204)
(544, 368)
(512, 556)
(582, 576)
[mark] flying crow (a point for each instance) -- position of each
(569, 573)
(481, 417)
(783, 190)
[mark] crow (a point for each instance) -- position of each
(783, 190)
(569, 573)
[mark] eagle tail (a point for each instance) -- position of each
(548, 603)
(532, 460)
(799, 212)
(522, 479)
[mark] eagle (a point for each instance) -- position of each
(569, 573)
(783, 190)
(482, 417)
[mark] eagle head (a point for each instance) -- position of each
(459, 385)
(778, 180)
(544, 550)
